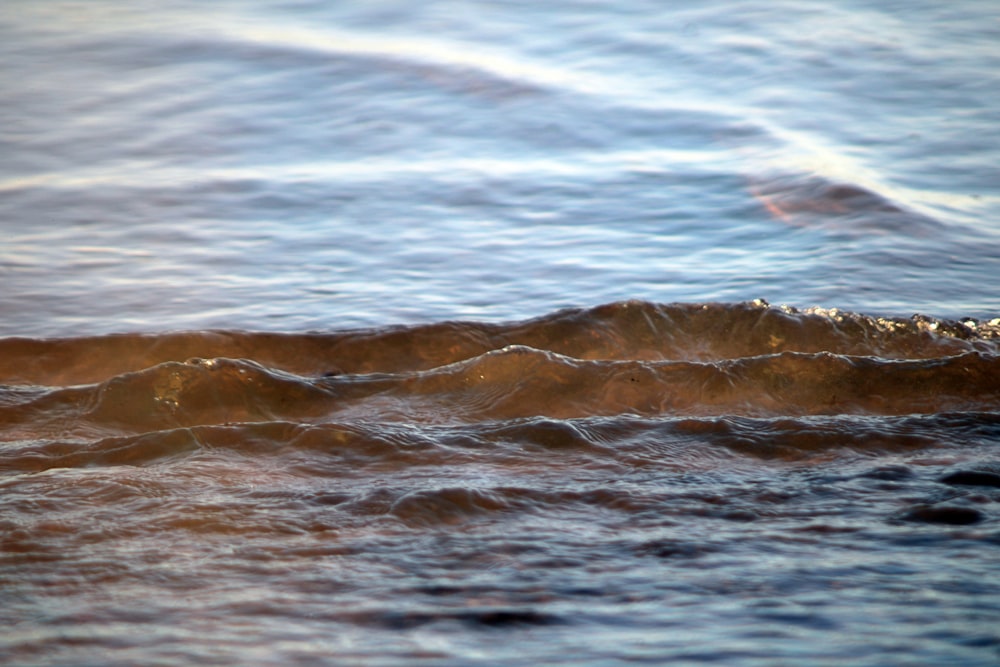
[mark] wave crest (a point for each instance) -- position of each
(636, 358)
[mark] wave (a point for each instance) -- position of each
(630, 330)
(812, 201)
(760, 381)
(615, 444)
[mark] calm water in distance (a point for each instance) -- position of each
(290, 166)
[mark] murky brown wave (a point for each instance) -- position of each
(702, 476)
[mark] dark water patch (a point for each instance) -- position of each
(972, 478)
(476, 618)
(893, 473)
(674, 549)
(950, 515)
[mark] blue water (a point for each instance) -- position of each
(236, 428)
(321, 165)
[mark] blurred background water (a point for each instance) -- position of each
(314, 165)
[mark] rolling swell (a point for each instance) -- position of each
(705, 367)
(625, 358)
(629, 330)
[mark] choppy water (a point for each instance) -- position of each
(628, 483)
(304, 362)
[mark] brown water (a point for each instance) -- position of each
(635, 482)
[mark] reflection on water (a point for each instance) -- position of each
(332, 166)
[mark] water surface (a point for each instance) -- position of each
(499, 334)
(293, 166)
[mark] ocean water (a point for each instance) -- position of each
(499, 333)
